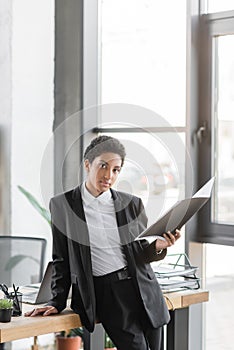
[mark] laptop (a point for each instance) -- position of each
(38, 293)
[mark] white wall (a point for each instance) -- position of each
(5, 113)
(32, 109)
(32, 117)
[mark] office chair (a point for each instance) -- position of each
(21, 260)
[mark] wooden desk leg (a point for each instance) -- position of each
(177, 330)
(35, 345)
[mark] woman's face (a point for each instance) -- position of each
(102, 172)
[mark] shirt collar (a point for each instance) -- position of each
(88, 198)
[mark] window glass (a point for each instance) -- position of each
(219, 310)
(218, 5)
(143, 56)
(223, 140)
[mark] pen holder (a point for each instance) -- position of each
(17, 303)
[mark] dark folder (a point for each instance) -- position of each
(180, 213)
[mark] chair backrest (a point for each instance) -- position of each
(22, 259)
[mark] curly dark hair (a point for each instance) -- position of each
(104, 144)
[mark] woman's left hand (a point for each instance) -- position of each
(168, 241)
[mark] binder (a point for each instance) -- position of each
(180, 213)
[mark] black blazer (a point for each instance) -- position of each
(72, 257)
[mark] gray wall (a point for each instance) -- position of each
(68, 92)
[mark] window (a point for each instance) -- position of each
(218, 6)
(223, 131)
(219, 282)
(216, 159)
(143, 56)
(216, 149)
(142, 88)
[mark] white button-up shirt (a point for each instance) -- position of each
(106, 252)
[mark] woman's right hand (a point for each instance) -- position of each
(43, 311)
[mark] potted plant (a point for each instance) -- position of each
(70, 340)
(5, 310)
(109, 345)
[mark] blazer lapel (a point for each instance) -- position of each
(126, 221)
(121, 216)
(123, 226)
(81, 230)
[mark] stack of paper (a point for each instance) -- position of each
(168, 284)
(174, 276)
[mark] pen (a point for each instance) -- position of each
(5, 290)
(16, 298)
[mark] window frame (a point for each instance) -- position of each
(212, 26)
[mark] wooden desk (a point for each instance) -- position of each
(185, 298)
(177, 330)
(24, 327)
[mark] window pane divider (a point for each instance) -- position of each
(139, 129)
(222, 15)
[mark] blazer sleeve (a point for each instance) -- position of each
(61, 282)
(149, 252)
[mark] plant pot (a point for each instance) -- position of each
(70, 343)
(5, 315)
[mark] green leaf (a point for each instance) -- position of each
(42, 211)
(108, 342)
(6, 304)
(16, 259)
(76, 332)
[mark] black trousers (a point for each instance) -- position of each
(121, 312)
